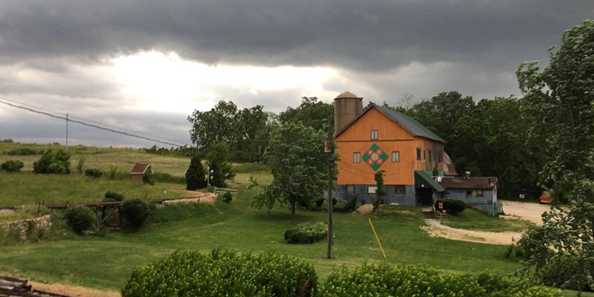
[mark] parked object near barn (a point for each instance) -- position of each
(411, 156)
(139, 172)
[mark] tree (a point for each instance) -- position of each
(218, 164)
(311, 113)
(299, 165)
(195, 175)
(561, 98)
(379, 190)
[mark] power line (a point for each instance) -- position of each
(86, 123)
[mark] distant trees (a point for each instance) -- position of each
(311, 113)
(245, 131)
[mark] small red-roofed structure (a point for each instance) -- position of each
(139, 170)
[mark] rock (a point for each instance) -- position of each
(365, 209)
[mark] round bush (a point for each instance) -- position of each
(53, 162)
(227, 197)
(307, 233)
(223, 273)
(134, 213)
(454, 207)
(80, 219)
(113, 197)
(12, 166)
(93, 172)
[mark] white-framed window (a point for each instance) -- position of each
(356, 157)
(374, 134)
(400, 190)
(350, 189)
(395, 156)
(371, 189)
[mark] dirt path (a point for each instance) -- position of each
(73, 291)
(528, 211)
(193, 197)
(435, 228)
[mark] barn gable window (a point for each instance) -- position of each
(395, 156)
(374, 134)
(356, 157)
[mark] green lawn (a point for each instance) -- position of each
(26, 188)
(475, 220)
(106, 262)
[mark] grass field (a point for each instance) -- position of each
(473, 219)
(106, 262)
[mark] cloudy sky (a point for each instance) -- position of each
(144, 65)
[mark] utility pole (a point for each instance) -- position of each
(329, 148)
(67, 120)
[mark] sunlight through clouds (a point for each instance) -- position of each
(166, 82)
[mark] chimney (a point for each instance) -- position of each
(347, 106)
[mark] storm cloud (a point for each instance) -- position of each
(58, 52)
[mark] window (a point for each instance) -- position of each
(468, 193)
(478, 193)
(418, 154)
(430, 156)
(351, 189)
(399, 190)
(374, 134)
(356, 157)
(371, 189)
(424, 155)
(395, 156)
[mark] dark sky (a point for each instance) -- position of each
(60, 55)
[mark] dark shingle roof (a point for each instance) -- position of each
(409, 124)
(473, 182)
(140, 168)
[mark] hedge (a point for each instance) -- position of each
(223, 273)
(307, 233)
(408, 281)
(12, 166)
(134, 213)
(80, 219)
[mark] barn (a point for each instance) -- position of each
(379, 138)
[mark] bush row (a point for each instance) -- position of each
(223, 273)
(307, 233)
(133, 215)
(227, 273)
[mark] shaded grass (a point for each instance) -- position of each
(475, 220)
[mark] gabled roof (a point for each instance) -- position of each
(473, 182)
(409, 124)
(140, 168)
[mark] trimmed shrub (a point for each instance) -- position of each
(408, 281)
(454, 207)
(307, 233)
(80, 219)
(12, 166)
(53, 162)
(113, 196)
(134, 213)
(223, 273)
(226, 197)
(93, 172)
(195, 175)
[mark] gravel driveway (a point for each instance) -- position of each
(528, 211)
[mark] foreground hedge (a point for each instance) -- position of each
(408, 281)
(223, 273)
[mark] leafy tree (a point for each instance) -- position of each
(379, 190)
(218, 164)
(195, 175)
(299, 166)
(561, 97)
(51, 161)
(312, 113)
(245, 131)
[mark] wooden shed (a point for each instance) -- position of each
(139, 170)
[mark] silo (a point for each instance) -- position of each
(347, 106)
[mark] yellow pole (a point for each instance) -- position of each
(379, 242)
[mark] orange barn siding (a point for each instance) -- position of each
(391, 137)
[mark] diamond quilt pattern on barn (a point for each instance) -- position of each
(375, 157)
